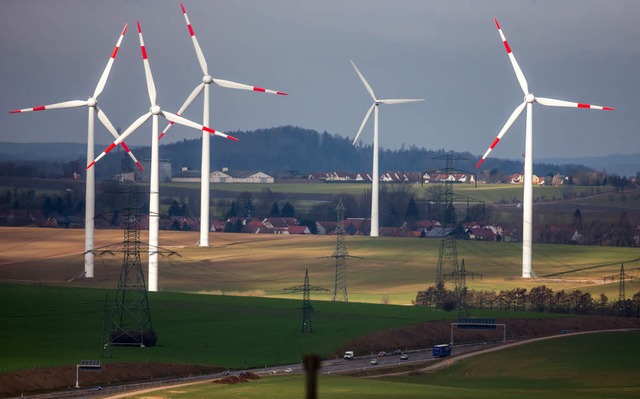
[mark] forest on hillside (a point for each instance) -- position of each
(279, 151)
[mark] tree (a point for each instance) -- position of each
(115, 218)
(174, 209)
(47, 206)
(540, 298)
(275, 211)
(245, 204)
(233, 211)
(311, 225)
(412, 210)
(636, 303)
(602, 303)
(577, 219)
(288, 211)
(184, 210)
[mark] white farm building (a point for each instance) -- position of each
(223, 176)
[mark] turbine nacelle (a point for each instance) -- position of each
(91, 102)
(155, 109)
(529, 98)
(207, 79)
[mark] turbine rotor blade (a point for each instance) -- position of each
(135, 125)
(516, 68)
(107, 69)
(241, 86)
(64, 104)
(364, 81)
(514, 115)
(551, 102)
(364, 122)
(183, 121)
(188, 102)
(151, 87)
(400, 100)
(199, 54)
(107, 123)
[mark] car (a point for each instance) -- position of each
(382, 353)
(374, 362)
(226, 372)
(273, 372)
(241, 372)
(288, 370)
(404, 357)
(397, 352)
(97, 388)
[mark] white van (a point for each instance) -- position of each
(348, 355)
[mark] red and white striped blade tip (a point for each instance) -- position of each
(65, 104)
(479, 163)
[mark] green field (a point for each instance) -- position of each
(602, 365)
(46, 326)
(492, 193)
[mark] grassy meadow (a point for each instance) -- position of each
(45, 326)
(600, 365)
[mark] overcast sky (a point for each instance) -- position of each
(448, 52)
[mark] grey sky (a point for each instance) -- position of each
(448, 52)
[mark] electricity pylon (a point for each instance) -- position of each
(306, 302)
(128, 322)
(621, 277)
(340, 255)
(448, 268)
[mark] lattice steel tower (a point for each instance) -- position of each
(448, 251)
(621, 277)
(128, 322)
(340, 255)
(307, 309)
(448, 269)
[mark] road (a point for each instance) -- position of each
(385, 365)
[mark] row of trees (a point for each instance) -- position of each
(537, 299)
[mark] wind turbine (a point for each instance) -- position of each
(92, 104)
(375, 180)
(154, 204)
(206, 148)
(529, 99)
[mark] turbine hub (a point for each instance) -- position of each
(529, 98)
(207, 79)
(155, 110)
(91, 102)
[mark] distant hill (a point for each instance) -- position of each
(617, 164)
(290, 148)
(54, 152)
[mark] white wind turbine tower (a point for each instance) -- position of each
(154, 205)
(529, 99)
(206, 148)
(375, 180)
(92, 104)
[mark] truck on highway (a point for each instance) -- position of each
(441, 350)
(348, 355)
